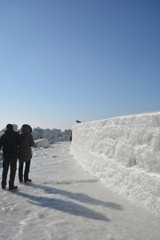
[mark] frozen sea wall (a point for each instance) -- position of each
(124, 153)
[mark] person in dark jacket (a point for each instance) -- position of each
(9, 143)
(25, 152)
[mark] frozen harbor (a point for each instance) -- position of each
(65, 203)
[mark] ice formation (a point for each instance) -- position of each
(124, 153)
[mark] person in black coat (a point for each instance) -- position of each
(9, 145)
(25, 152)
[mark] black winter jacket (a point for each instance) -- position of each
(9, 143)
(25, 143)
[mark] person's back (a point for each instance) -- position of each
(25, 152)
(9, 143)
(25, 144)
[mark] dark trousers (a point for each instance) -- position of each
(26, 170)
(12, 163)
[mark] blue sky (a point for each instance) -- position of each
(62, 60)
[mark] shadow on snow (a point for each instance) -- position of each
(68, 206)
(77, 196)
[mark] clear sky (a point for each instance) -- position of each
(62, 60)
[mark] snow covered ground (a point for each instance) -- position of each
(124, 153)
(64, 202)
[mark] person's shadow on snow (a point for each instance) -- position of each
(81, 197)
(63, 206)
(67, 205)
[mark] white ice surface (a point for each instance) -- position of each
(65, 203)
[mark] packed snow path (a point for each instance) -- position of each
(65, 203)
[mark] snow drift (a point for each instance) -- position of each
(41, 143)
(124, 153)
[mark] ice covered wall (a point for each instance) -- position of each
(124, 153)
